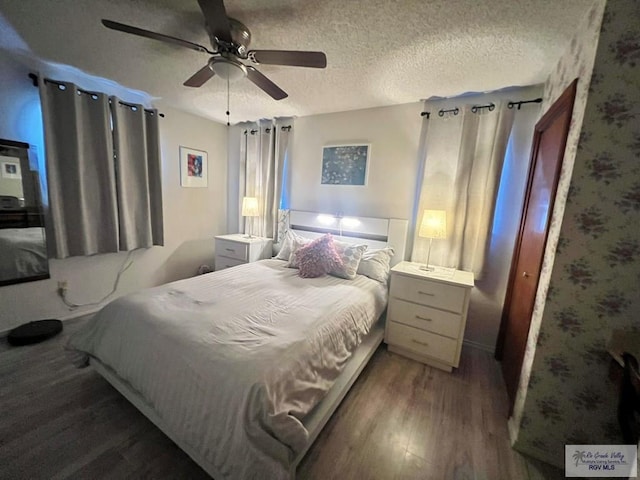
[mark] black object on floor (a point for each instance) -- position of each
(34, 332)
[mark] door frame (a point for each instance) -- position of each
(566, 100)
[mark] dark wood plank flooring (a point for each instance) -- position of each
(401, 420)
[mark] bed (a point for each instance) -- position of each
(243, 367)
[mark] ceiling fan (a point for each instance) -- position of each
(229, 41)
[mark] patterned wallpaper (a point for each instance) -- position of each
(577, 62)
(592, 285)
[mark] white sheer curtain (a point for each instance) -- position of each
(461, 174)
(263, 150)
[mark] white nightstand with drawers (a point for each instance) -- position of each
(427, 313)
(237, 248)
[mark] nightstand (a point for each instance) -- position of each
(427, 313)
(237, 248)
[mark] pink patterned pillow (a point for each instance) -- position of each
(318, 257)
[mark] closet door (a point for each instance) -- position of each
(549, 141)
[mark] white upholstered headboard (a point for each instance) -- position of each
(375, 232)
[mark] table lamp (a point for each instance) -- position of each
(250, 209)
(433, 225)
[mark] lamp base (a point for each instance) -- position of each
(426, 266)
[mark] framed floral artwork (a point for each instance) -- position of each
(345, 164)
(193, 167)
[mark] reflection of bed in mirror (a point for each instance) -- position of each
(23, 252)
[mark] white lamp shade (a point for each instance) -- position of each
(250, 207)
(434, 224)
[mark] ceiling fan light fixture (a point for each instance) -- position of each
(228, 69)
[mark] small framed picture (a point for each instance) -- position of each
(345, 164)
(193, 167)
(11, 168)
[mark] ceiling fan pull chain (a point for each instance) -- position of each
(228, 102)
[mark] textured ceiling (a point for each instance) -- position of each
(378, 52)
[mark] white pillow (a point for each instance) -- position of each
(375, 264)
(296, 242)
(350, 254)
(287, 244)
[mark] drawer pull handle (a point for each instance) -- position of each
(426, 293)
(424, 344)
(423, 318)
(229, 249)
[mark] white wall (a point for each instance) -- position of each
(393, 132)
(192, 216)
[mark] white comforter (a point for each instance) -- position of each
(232, 361)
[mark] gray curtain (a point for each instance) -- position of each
(263, 154)
(138, 175)
(80, 171)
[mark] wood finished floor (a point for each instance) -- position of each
(401, 421)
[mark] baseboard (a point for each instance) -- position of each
(532, 455)
(83, 313)
(65, 318)
(538, 455)
(513, 430)
(480, 346)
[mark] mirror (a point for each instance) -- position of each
(23, 247)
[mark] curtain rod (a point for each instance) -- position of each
(268, 130)
(134, 106)
(491, 106)
(34, 78)
(455, 111)
(519, 104)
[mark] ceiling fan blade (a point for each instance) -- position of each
(216, 17)
(291, 58)
(155, 36)
(265, 84)
(200, 77)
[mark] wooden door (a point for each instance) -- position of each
(549, 141)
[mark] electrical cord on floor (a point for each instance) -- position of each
(62, 291)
